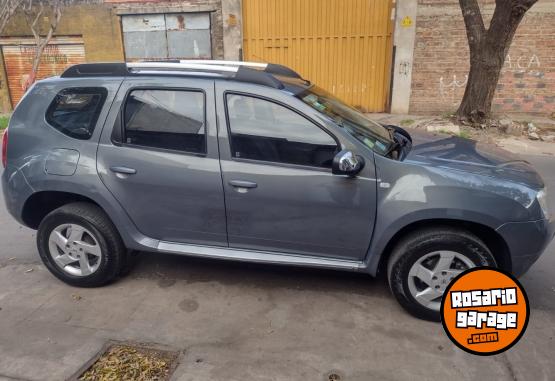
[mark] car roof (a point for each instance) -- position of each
(266, 74)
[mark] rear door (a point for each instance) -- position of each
(280, 192)
(160, 159)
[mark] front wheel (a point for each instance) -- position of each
(80, 245)
(424, 263)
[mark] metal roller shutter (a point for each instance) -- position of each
(18, 60)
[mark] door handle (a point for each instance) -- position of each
(242, 184)
(123, 170)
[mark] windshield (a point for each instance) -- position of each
(371, 134)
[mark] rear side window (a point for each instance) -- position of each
(166, 119)
(75, 111)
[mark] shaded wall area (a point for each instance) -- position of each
(440, 67)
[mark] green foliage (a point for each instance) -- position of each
(464, 134)
(4, 120)
(406, 122)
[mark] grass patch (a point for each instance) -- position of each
(406, 122)
(126, 362)
(442, 131)
(4, 120)
(464, 134)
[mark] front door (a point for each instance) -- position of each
(160, 159)
(279, 190)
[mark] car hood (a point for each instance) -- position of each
(467, 155)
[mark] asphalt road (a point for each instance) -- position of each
(243, 321)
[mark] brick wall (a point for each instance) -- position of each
(440, 64)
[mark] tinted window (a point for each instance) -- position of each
(263, 130)
(75, 111)
(166, 119)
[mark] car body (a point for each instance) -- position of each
(236, 192)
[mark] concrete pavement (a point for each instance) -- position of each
(234, 321)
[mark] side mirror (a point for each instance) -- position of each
(347, 163)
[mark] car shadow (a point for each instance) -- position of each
(167, 268)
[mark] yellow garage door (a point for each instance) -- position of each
(342, 45)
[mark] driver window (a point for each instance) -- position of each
(266, 131)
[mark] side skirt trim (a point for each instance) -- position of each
(258, 256)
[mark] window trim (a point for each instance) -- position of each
(121, 118)
(102, 91)
(279, 103)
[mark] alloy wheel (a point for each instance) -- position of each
(430, 275)
(74, 249)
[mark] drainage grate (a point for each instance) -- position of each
(130, 361)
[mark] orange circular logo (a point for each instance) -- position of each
(485, 311)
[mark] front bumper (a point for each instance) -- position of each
(526, 242)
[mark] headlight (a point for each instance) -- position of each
(542, 200)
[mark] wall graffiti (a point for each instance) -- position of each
(51, 55)
(404, 67)
(523, 64)
(448, 88)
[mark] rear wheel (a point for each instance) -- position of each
(424, 263)
(80, 245)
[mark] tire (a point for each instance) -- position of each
(98, 235)
(129, 263)
(432, 249)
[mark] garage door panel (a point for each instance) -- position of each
(189, 44)
(191, 21)
(343, 45)
(147, 45)
(143, 23)
(167, 36)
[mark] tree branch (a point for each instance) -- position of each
(7, 10)
(474, 23)
(33, 12)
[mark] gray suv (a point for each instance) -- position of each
(250, 162)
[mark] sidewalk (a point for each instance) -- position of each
(516, 143)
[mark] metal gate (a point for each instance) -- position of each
(167, 36)
(344, 46)
(18, 54)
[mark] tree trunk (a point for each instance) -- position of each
(482, 82)
(488, 49)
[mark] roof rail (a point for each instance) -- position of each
(267, 67)
(246, 74)
(180, 66)
(115, 69)
(229, 63)
(243, 73)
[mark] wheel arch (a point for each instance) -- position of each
(39, 204)
(492, 239)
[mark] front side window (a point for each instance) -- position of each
(166, 119)
(75, 111)
(266, 131)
